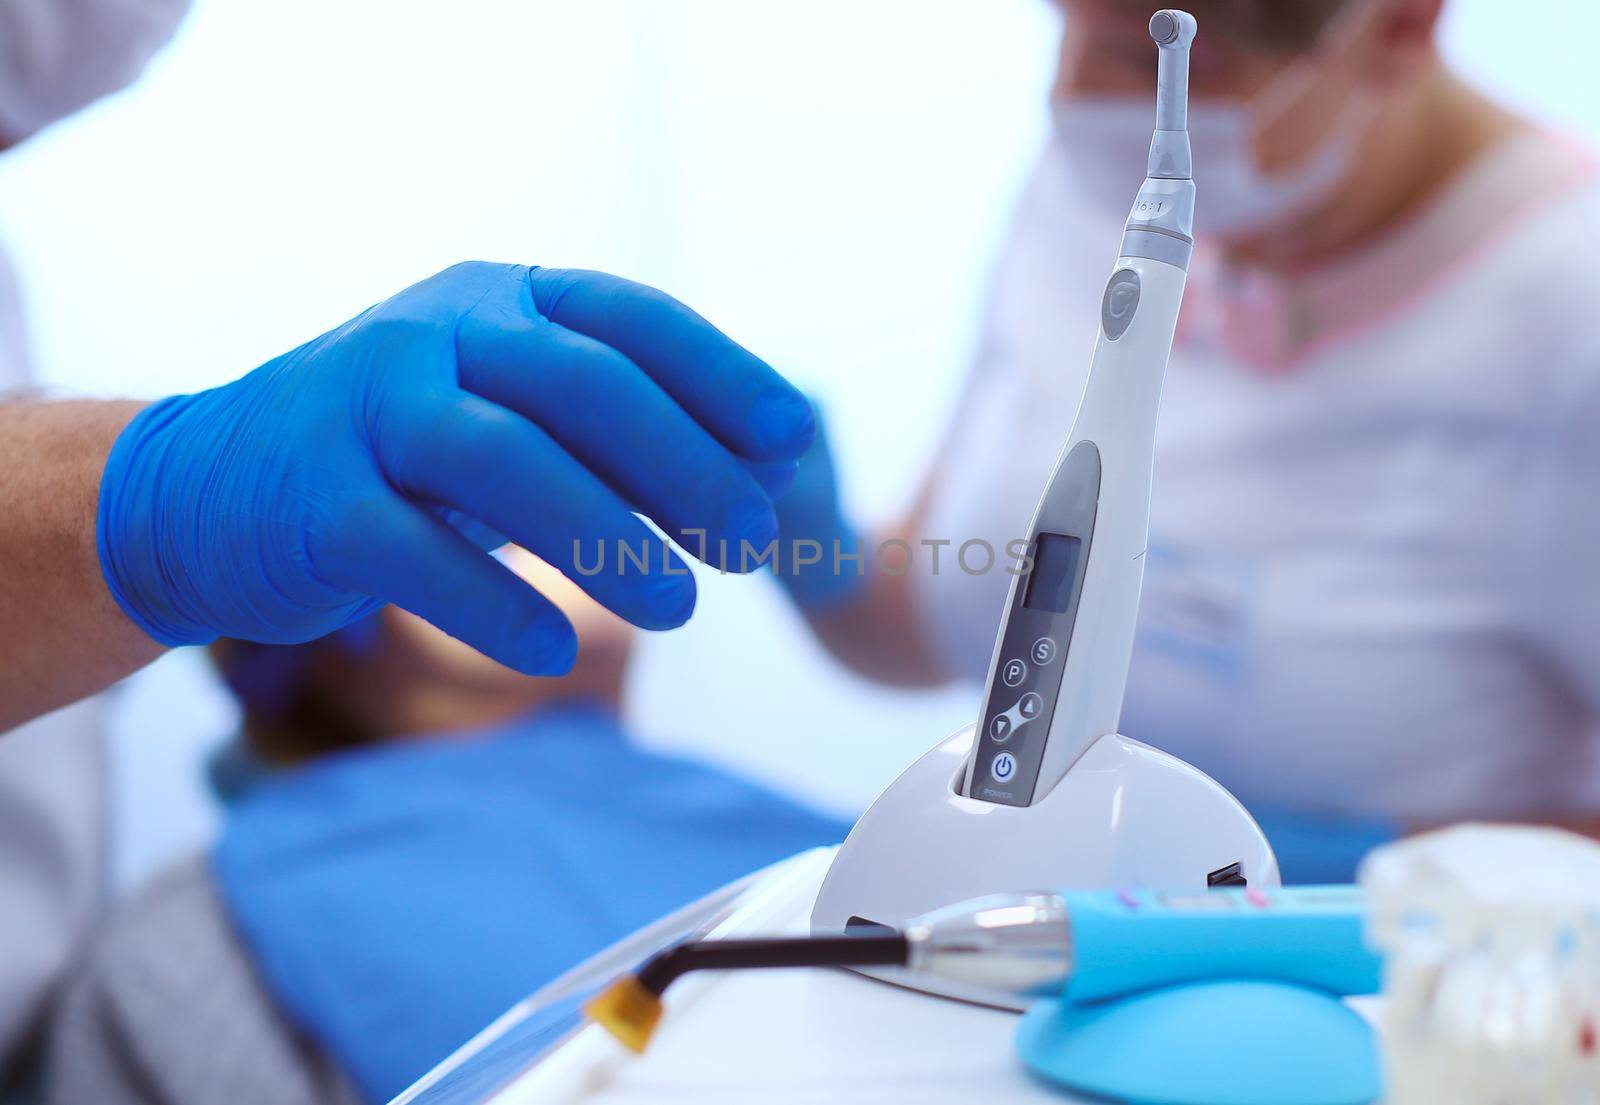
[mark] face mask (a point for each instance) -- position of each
(1105, 143)
(1102, 140)
(58, 55)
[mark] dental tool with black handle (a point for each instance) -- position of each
(1082, 946)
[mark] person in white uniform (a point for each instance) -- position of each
(1370, 601)
(55, 57)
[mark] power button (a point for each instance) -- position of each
(1120, 304)
(1003, 767)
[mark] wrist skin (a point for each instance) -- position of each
(64, 635)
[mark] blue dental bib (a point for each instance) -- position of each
(397, 899)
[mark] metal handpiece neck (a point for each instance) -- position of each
(1170, 156)
(1161, 224)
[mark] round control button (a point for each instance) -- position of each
(1044, 651)
(1003, 767)
(1000, 728)
(1014, 672)
(1030, 706)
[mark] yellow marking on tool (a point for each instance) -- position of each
(626, 1010)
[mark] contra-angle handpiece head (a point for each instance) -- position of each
(1164, 28)
(1173, 32)
(1161, 225)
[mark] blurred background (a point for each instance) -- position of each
(284, 164)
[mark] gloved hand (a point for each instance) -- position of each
(370, 466)
(812, 526)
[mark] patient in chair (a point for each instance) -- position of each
(415, 839)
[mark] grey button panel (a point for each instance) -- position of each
(1016, 718)
(1120, 304)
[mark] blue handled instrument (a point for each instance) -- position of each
(1082, 947)
(1087, 946)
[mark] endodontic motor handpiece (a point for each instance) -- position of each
(1042, 790)
(1060, 664)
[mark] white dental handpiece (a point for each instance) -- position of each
(1060, 665)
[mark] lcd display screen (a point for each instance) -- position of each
(1055, 570)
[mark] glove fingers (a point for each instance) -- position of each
(496, 466)
(775, 477)
(411, 559)
(743, 402)
(614, 419)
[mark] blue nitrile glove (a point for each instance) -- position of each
(822, 559)
(370, 466)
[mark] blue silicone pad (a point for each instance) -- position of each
(1210, 1043)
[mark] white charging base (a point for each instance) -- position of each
(1125, 815)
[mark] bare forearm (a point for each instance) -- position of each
(878, 632)
(62, 636)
